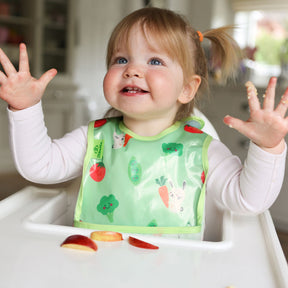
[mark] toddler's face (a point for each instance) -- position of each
(142, 81)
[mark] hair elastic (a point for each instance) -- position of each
(200, 36)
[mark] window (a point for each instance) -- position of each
(263, 36)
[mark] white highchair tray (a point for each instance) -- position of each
(34, 222)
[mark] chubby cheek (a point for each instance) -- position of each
(109, 86)
(166, 86)
(156, 80)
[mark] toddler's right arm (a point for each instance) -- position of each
(39, 158)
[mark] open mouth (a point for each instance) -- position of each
(133, 90)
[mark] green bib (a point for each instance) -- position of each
(134, 184)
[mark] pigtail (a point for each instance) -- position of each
(225, 52)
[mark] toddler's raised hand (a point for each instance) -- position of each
(266, 126)
(18, 88)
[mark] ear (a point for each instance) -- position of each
(190, 89)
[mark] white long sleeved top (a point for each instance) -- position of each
(246, 189)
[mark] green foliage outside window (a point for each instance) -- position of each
(268, 48)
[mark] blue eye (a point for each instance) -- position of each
(155, 61)
(121, 60)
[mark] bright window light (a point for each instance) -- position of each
(263, 36)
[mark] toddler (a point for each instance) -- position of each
(151, 168)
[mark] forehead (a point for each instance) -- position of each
(151, 36)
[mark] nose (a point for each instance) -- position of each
(133, 71)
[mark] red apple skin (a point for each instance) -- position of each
(141, 244)
(79, 242)
(106, 236)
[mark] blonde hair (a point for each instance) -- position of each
(181, 42)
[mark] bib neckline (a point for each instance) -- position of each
(165, 132)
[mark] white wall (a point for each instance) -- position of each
(222, 13)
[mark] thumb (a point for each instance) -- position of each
(235, 123)
(47, 77)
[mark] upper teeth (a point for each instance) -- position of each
(133, 89)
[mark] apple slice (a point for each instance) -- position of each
(79, 242)
(107, 236)
(141, 244)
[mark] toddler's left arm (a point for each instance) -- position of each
(266, 126)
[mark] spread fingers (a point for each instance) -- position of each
(283, 104)
(23, 58)
(3, 78)
(6, 64)
(252, 97)
(269, 96)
